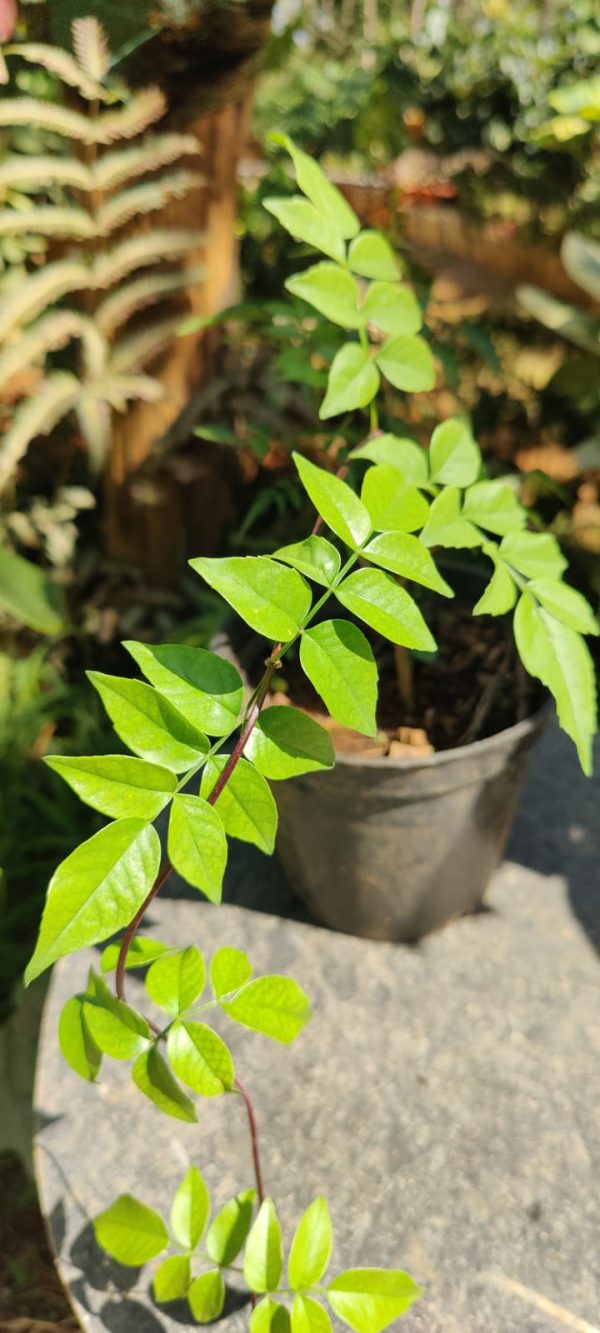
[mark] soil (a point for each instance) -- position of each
(473, 687)
(32, 1299)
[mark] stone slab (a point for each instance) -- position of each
(445, 1097)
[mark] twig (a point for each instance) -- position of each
(542, 1303)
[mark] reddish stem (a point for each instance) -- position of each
(253, 1139)
(163, 875)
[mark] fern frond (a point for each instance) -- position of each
(120, 165)
(91, 47)
(125, 122)
(36, 416)
(136, 351)
(145, 198)
(73, 223)
(17, 170)
(94, 346)
(35, 114)
(51, 332)
(134, 296)
(140, 252)
(93, 416)
(39, 290)
(61, 63)
(118, 390)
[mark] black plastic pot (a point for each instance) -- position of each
(391, 849)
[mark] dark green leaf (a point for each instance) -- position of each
(276, 1006)
(405, 555)
(353, 381)
(116, 784)
(228, 1231)
(378, 599)
(334, 500)
(96, 890)
(245, 806)
(149, 724)
(200, 1058)
(174, 982)
(190, 1210)
(407, 363)
(204, 687)
(197, 845)
(264, 1252)
(315, 557)
(285, 742)
(130, 1232)
(152, 1076)
(339, 662)
(391, 504)
(272, 600)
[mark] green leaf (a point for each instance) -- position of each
(391, 504)
(76, 1042)
(404, 455)
(378, 599)
(353, 381)
(27, 594)
(174, 982)
(285, 742)
(149, 724)
(276, 1006)
(559, 657)
(269, 1317)
(141, 951)
(229, 969)
(96, 890)
(115, 784)
(446, 527)
(228, 1231)
(130, 1232)
(392, 308)
(407, 363)
(454, 457)
(117, 1029)
(332, 291)
(246, 806)
(368, 1299)
(494, 506)
(337, 504)
(263, 1256)
(200, 1058)
(151, 1074)
(203, 686)
(566, 604)
(197, 845)
(536, 554)
(309, 1317)
(305, 223)
(405, 555)
(311, 1247)
(371, 256)
(315, 557)
(501, 592)
(206, 1297)
(190, 1210)
(323, 194)
(338, 661)
(171, 1281)
(272, 600)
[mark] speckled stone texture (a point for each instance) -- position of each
(444, 1097)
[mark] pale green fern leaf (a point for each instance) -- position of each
(35, 114)
(18, 170)
(49, 334)
(39, 290)
(93, 417)
(36, 416)
(118, 390)
(120, 165)
(91, 47)
(133, 296)
(145, 198)
(127, 121)
(74, 223)
(61, 63)
(140, 252)
(95, 348)
(137, 350)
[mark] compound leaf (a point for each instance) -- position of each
(305, 223)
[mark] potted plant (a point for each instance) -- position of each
(205, 753)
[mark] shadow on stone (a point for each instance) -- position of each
(99, 1270)
(57, 1226)
(179, 1311)
(127, 1316)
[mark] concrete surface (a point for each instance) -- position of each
(445, 1098)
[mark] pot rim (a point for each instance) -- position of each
(510, 735)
